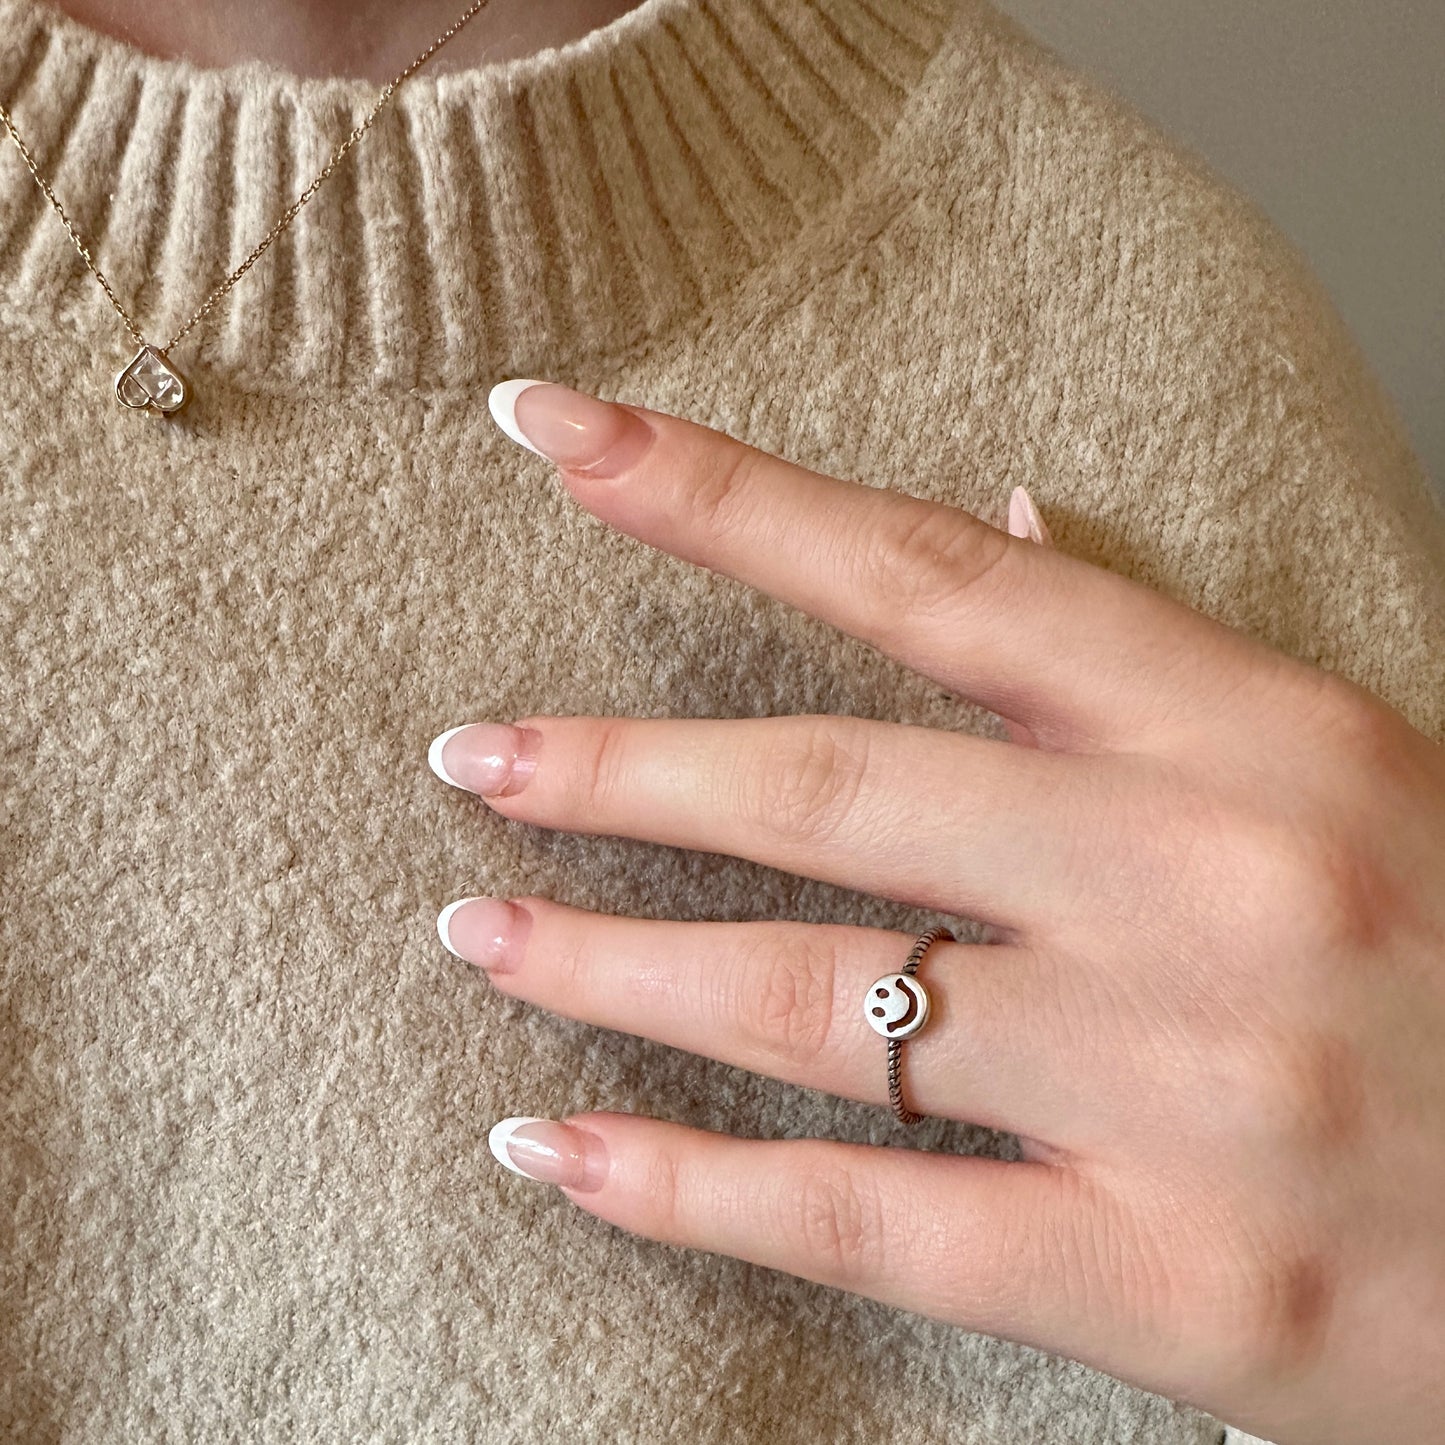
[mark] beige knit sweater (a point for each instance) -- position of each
(245, 1192)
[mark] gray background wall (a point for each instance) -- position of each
(1331, 115)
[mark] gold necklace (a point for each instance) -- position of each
(150, 381)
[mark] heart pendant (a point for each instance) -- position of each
(150, 383)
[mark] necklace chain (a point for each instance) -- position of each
(223, 289)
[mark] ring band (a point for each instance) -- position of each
(896, 1006)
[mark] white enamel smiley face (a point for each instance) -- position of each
(896, 1006)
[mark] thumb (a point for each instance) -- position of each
(1024, 519)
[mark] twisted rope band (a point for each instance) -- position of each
(895, 1046)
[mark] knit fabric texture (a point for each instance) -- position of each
(245, 1192)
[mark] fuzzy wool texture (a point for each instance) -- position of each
(245, 1191)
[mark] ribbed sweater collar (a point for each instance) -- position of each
(575, 202)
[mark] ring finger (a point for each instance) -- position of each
(785, 998)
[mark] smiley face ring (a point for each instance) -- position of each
(896, 1006)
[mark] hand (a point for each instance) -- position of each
(1212, 1009)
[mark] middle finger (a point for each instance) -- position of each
(921, 815)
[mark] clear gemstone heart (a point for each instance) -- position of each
(151, 383)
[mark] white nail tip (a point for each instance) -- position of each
(434, 754)
(503, 1130)
(502, 400)
(444, 923)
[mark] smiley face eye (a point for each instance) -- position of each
(904, 1008)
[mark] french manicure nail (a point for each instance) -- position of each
(490, 932)
(577, 431)
(493, 759)
(549, 1151)
(1024, 519)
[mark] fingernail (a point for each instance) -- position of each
(493, 759)
(577, 431)
(549, 1151)
(490, 932)
(1024, 519)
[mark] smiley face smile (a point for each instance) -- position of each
(896, 1006)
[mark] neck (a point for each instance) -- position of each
(365, 39)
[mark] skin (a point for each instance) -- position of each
(362, 38)
(1213, 880)
(1212, 1003)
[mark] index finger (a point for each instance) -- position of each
(1079, 655)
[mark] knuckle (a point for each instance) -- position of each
(787, 1003)
(1285, 1298)
(661, 1187)
(1312, 884)
(1353, 899)
(931, 559)
(803, 791)
(567, 959)
(838, 1221)
(1302, 1094)
(1256, 1282)
(602, 764)
(1364, 731)
(1110, 1267)
(722, 487)
(1338, 897)
(1326, 1086)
